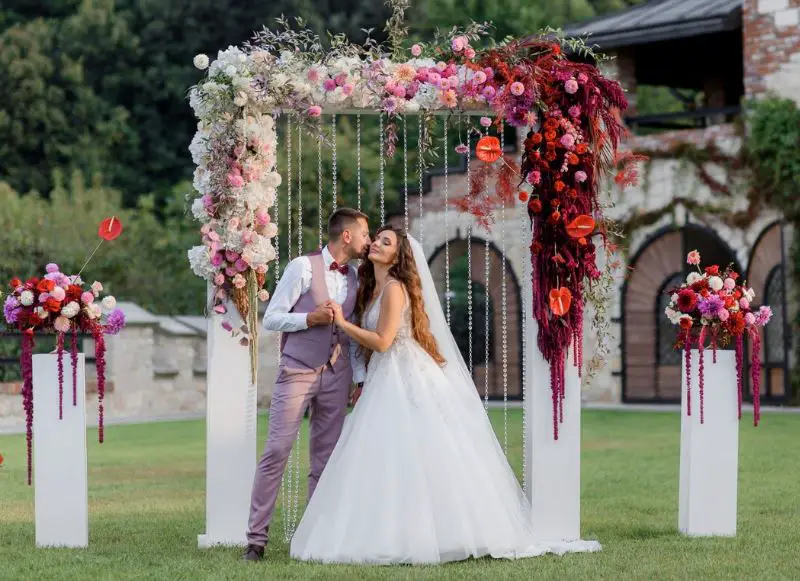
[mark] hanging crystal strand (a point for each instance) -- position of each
(420, 170)
(446, 227)
(319, 187)
(504, 305)
(288, 188)
(486, 264)
(299, 189)
(333, 159)
(358, 160)
(525, 231)
(405, 172)
(383, 209)
(469, 259)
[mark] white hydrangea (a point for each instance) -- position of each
(256, 195)
(200, 263)
(199, 147)
(94, 311)
(71, 309)
(201, 180)
(693, 277)
(201, 61)
(427, 96)
(673, 316)
(26, 298)
(715, 283)
(199, 210)
(272, 179)
(109, 303)
(262, 250)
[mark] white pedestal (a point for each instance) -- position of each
(554, 466)
(59, 455)
(231, 418)
(709, 451)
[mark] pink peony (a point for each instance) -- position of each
(480, 77)
(51, 268)
(235, 180)
(459, 43)
(441, 66)
(219, 279)
(723, 315)
(217, 259)
(239, 281)
(534, 177)
(744, 303)
(434, 78)
(571, 86)
(230, 271)
(693, 258)
(488, 93)
(580, 176)
(729, 284)
(568, 140)
(231, 256)
(262, 217)
(58, 293)
(87, 298)
(469, 52)
(416, 50)
(314, 111)
(347, 89)
(517, 88)
(313, 75)
(241, 265)
(340, 79)
(399, 92)
(329, 85)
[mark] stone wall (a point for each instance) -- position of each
(155, 367)
(772, 48)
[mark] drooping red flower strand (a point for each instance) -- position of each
(701, 373)
(739, 372)
(688, 357)
(26, 364)
(60, 356)
(100, 363)
(755, 375)
(74, 354)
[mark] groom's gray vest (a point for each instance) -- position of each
(316, 346)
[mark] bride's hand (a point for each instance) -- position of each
(338, 316)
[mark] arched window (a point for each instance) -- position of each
(666, 354)
(774, 346)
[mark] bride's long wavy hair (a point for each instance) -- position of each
(403, 270)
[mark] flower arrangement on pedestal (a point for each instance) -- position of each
(544, 83)
(712, 307)
(64, 305)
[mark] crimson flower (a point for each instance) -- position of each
(687, 300)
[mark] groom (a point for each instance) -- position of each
(317, 364)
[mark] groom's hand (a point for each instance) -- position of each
(320, 317)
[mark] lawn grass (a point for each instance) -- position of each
(146, 495)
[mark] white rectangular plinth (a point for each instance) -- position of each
(59, 455)
(709, 451)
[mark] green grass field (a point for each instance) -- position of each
(146, 494)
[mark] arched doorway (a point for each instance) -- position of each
(651, 367)
(767, 276)
(459, 314)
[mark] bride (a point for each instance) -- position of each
(418, 475)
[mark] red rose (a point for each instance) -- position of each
(686, 324)
(537, 138)
(45, 285)
(712, 270)
(52, 305)
(581, 148)
(15, 282)
(736, 323)
(74, 292)
(34, 319)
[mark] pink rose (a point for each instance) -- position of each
(480, 77)
(723, 315)
(399, 92)
(517, 88)
(340, 79)
(219, 279)
(582, 78)
(314, 111)
(262, 217)
(235, 180)
(693, 258)
(261, 269)
(488, 93)
(241, 265)
(205, 229)
(217, 259)
(220, 294)
(580, 176)
(230, 271)
(459, 43)
(571, 86)
(87, 298)
(744, 303)
(434, 78)
(231, 255)
(51, 268)
(313, 75)
(96, 287)
(441, 65)
(489, 72)
(574, 111)
(239, 281)
(58, 293)
(729, 284)
(568, 140)
(416, 50)
(247, 236)
(534, 177)
(347, 89)
(461, 149)
(329, 85)
(469, 52)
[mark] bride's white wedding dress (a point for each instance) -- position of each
(418, 475)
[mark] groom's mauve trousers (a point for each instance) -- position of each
(326, 390)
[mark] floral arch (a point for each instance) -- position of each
(546, 85)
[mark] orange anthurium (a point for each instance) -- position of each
(560, 301)
(488, 149)
(581, 226)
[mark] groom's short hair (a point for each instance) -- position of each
(341, 220)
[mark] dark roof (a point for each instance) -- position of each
(659, 20)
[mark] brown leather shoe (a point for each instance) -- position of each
(253, 553)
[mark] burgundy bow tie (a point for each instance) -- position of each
(343, 268)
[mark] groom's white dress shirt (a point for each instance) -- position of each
(295, 281)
